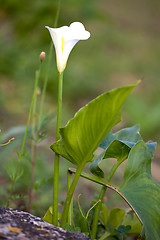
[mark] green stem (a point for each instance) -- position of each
(59, 110)
(56, 160)
(44, 88)
(97, 211)
(33, 153)
(101, 196)
(70, 213)
(95, 179)
(70, 194)
(33, 160)
(25, 136)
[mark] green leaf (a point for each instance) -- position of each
(132, 220)
(72, 228)
(83, 221)
(94, 166)
(104, 215)
(83, 133)
(122, 230)
(69, 228)
(49, 215)
(118, 145)
(12, 173)
(115, 218)
(129, 136)
(141, 190)
(58, 147)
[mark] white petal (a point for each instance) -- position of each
(78, 31)
(64, 39)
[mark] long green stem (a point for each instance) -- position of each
(101, 196)
(56, 160)
(33, 153)
(70, 213)
(69, 195)
(25, 136)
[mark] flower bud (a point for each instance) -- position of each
(38, 91)
(42, 56)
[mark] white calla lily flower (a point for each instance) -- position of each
(64, 39)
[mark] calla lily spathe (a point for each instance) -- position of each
(64, 39)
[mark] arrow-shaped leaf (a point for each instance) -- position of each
(83, 133)
(141, 190)
(118, 145)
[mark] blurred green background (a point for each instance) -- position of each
(124, 47)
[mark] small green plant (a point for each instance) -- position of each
(77, 142)
(90, 128)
